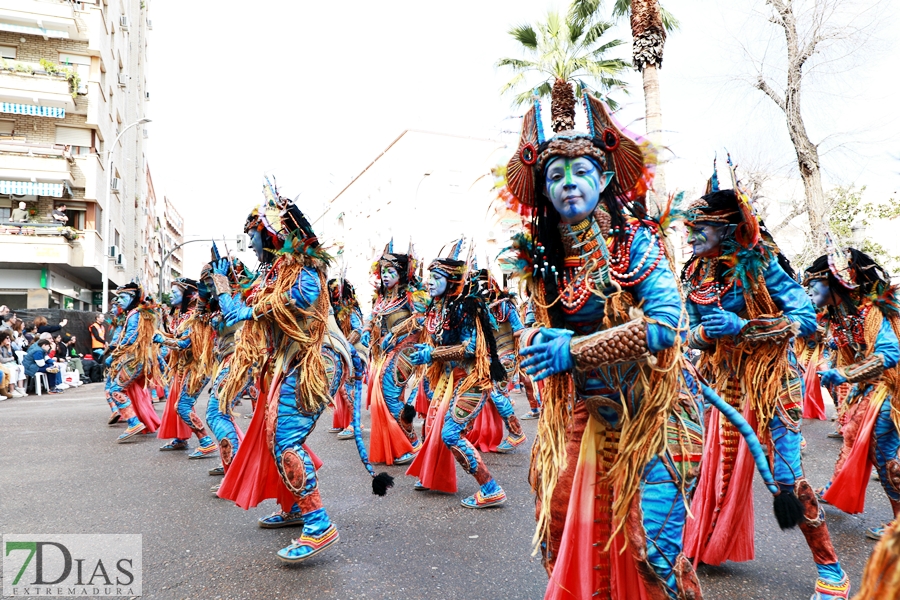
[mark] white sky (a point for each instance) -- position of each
(312, 92)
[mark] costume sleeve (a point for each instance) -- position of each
(529, 314)
(657, 293)
(356, 323)
(307, 289)
(131, 330)
(514, 319)
(887, 345)
(791, 298)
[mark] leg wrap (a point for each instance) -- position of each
(813, 525)
(287, 428)
(464, 452)
(222, 424)
(185, 410)
(513, 425)
(886, 450)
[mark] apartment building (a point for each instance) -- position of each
(72, 79)
(427, 187)
(171, 234)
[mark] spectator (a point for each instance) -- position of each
(44, 327)
(30, 335)
(4, 309)
(37, 361)
(59, 214)
(18, 331)
(14, 371)
(6, 321)
(98, 336)
(73, 359)
(19, 215)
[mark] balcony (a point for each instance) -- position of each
(33, 91)
(46, 18)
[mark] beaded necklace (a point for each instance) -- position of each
(850, 330)
(706, 289)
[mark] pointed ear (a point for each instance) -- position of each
(605, 178)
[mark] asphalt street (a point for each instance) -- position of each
(61, 471)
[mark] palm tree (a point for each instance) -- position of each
(560, 50)
(649, 24)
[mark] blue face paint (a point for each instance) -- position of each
(124, 299)
(389, 277)
(820, 293)
(256, 242)
(437, 284)
(573, 186)
(705, 238)
(176, 297)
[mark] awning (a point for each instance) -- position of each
(28, 188)
(49, 33)
(33, 110)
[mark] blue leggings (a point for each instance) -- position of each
(222, 423)
(887, 451)
(185, 410)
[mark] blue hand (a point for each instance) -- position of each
(721, 324)
(422, 355)
(365, 338)
(227, 304)
(832, 377)
(108, 361)
(222, 267)
(240, 313)
(386, 342)
(158, 338)
(549, 354)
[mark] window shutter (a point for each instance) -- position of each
(73, 136)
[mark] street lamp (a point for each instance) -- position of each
(108, 220)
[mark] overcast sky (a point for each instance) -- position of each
(312, 91)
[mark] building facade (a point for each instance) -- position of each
(72, 78)
(430, 188)
(171, 234)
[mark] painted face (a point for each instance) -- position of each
(573, 186)
(437, 284)
(705, 238)
(820, 293)
(256, 242)
(389, 276)
(123, 300)
(176, 297)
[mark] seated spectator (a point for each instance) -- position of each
(36, 361)
(44, 327)
(6, 321)
(59, 214)
(14, 380)
(19, 215)
(67, 349)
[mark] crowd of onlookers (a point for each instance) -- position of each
(37, 347)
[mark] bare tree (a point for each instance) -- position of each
(809, 26)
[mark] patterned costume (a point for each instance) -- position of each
(863, 314)
(390, 334)
(620, 431)
(191, 357)
(463, 368)
(286, 314)
(744, 310)
(132, 363)
(349, 319)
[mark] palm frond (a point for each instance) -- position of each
(670, 22)
(524, 98)
(596, 31)
(621, 9)
(576, 30)
(584, 10)
(513, 83)
(525, 35)
(599, 51)
(517, 64)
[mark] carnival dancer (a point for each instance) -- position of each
(220, 410)
(620, 432)
(390, 334)
(531, 389)
(349, 318)
(191, 359)
(745, 309)
(461, 355)
(505, 319)
(132, 362)
(863, 315)
(286, 313)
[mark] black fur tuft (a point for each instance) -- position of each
(381, 483)
(408, 413)
(788, 510)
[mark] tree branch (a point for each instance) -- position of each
(763, 85)
(797, 210)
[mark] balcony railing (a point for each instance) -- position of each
(35, 162)
(33, 228)
(24, 83)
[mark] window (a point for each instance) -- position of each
(79, 140)
(117, 240)
(8, 52)
(7, 126)
(77, 214)
(81, 65)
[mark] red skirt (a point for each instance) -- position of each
(253, 475)
(434, 465)
(813, 403)
(172, 425)
(487, 430)
(143, 406)
(343, 410)
(387, 441)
